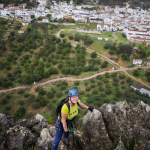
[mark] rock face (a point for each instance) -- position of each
(128, 122)
(113, 126)
(5, 123)
(95, 130)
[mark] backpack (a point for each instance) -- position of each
(61, 103)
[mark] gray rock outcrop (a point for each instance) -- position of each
(113, 126)
(95, 130)
(128, 122)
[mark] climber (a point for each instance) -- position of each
(67, 116)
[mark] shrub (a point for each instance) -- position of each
(4, 101)
(76, 83)
(101, 89)
(93, 55)
(99, 77)
(71, 37)
(92, 81)
(8, 96)
(26, 95)
(122, 76)
(42, 91)
(129, 80)
(123, 87)
(81, 92)
(115, 79)
(50, 94)
(50, 121)
(20, 112)
(88, 88)
(92, 85)
(94, 92)
(63, 87)
(62, 35)
(122, 82)
(106, 81)
(88, 95)
(96, 68)
(108, 91)
(8, 108)
(43, 102)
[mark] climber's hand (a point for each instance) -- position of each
(91, 108)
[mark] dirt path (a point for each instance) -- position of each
(77, 79)
(122, 69)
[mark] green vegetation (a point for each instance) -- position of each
(25, 60)
(108, 88)
(38, 54)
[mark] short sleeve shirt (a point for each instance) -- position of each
(73, 111)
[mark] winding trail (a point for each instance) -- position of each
(121, 69)
(78, 79)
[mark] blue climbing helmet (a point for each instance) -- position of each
(73, 92)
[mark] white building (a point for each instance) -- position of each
(1, 6)
(100, 38)
(142, 89)
(45, 20)
(137, 61)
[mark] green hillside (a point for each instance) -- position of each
(38, 55)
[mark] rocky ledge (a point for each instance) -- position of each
(118, 126)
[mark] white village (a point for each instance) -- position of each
(135, 23)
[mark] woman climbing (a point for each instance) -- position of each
(68, 113)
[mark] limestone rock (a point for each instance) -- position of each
(18, 137)
(45, 139)
(5, 123)
(120, 146)
(126, 121)
(95, 130)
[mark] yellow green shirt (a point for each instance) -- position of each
(73, 111)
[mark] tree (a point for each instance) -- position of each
(62, 35)
(32, 16)
(49, 16)
(136, 73)
(123, 35)
(20, 112)
(104, 64)
(93, 55)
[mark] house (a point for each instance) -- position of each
(106, 39)
(141, 88)
(1, 6)
(25, 23)
(134, 48)
(137, 61)
(21, 32)
(99, 38)
(45, 20)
